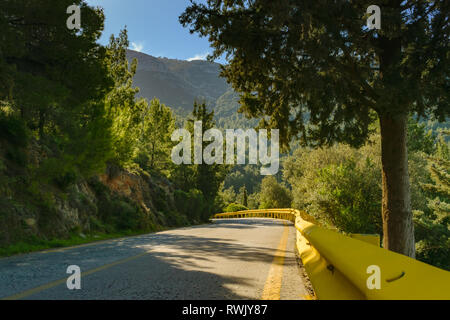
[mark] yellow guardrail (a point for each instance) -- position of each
(355, 267)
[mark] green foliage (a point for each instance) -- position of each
(244, 195)
(274, 194)
(206, 176)
(313, 70)
(340, 186)
(17, 155)
(253, 201)
(228, 195)
(351, 204)
(13, 130)
(14, 138)
(192, 204)
(154, 137)
(433, 222)
(124, 216)
(203, 177)
(295, 62)
(68, 111)
(233, 207)
(433, 236)
(123, 110)
(443, 145)
(49, 83)
(183, 176)
(419, 175)
(419, 139)
(54, 92)
(226, 114)
(116, 213)
(439, 170)
(244, 175)
(59, 171)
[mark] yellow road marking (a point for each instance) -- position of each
(53, 284)
(272, 288)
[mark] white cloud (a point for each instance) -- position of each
(137, 46)
(199, 57)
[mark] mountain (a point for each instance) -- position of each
(178, 83)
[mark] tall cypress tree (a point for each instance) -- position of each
(205, 175)
(245, 197)
(315, 71)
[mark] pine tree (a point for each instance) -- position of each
(433, 226)
(155, 130)
(439, 169)
(124, 110)
(54, 80)
(314, 70)
(419, 139)
(443, 147)
(51, 72)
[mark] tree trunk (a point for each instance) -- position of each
(398, 228)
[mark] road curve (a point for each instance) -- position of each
(228, 259)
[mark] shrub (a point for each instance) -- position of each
(274, 194)
(192, 204)
(233, 207)
(13, 130)
(339, 186)
(124, 216)
(350, 202)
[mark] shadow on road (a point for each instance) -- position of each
(179, 265)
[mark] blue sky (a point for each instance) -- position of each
(153, 27)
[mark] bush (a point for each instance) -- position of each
(160, 200)
(351, 203)
(274, 194)
(339, 186)
(124, 216)
(14, 133)
(233, 207)
(13, 130)
(192, 204)
(433, 239)
(59, 171)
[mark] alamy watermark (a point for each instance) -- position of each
(258, 147)
(374, 20)
(74, 281)
(374, 280)
(74, 20)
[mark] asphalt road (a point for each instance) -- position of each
(229, 259)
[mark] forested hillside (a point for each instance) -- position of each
(82, 157)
